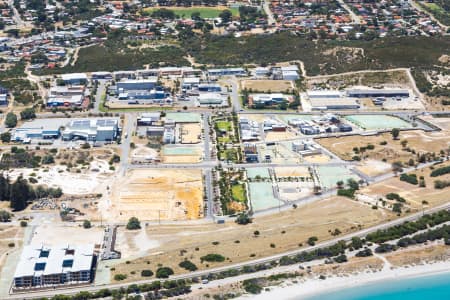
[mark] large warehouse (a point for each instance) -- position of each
(42, 266)
(100, 130)
(105, 129)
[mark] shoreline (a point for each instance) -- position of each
(311, 287)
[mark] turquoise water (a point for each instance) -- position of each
(417, 288)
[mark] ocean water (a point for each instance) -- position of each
(416, 288)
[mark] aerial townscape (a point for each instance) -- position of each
(222, 149)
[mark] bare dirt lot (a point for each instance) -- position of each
(417, 140)
(414, 194)
(274, 86)
(286, 231)
(154, 194)
(10, 240)
(190, 133)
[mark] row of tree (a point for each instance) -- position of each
(20, 192)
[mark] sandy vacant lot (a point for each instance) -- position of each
(154, 193)
(274, 136)
(190, 133)
(413, 194)
(287, 230)
(292, 172)
(59, 234)
(273, 86)
(9, 235)
(72, 183)
(372, 167)
(419, 141)
(443, 123)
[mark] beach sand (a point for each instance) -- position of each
(311, 287)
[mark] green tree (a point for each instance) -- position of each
(164, 272)
(87, 224)
(226, 16)
(20, 194)
(5, 137)
(11, 120)
(395, 132)
(243, 219)
(5, 216)
(133, 224)
(27, 114)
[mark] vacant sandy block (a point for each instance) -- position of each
(153, 194)
(319, 158)
(292, 172)
(373, 167)
(53, 234)
(291, 191)
(190, 133)
(181, 159)
(275, 136)
(274, 86)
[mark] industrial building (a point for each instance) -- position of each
(101, 130)
(330, 99)
(67, 96)
(148, 119)
(227, 72)
(137, 85)
(373, 93)
(4, 96)
(267, 99)
(190, 83)
(210, 99)
(38, 129)
(41, 266)
(74, 78)
(84, 129)
(101, 75)
(209, 87)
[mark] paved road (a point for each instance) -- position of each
(206, 137)
(211, 164)
(130, 123)
(347, 237)
(99, 95)
(355, 18)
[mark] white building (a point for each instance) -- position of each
(40, 266)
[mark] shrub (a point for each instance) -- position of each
(251, 286)
(164, 272)
(412, 179)
(119, 277)
(349, 193)
(312, 240)
(146, 273)
(188, 265)
(212, 258)
(440, 171)
(87, 224)
(133, 224)
(23, 224)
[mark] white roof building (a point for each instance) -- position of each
(67, 263)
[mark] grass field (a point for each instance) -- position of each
(238, 192)
(224, 125)
(205, 12)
